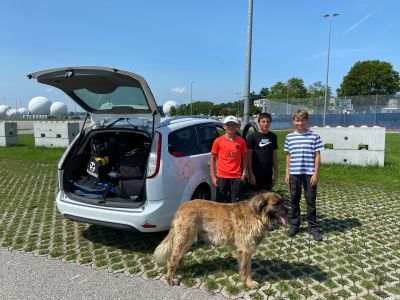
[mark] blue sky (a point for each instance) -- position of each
(171, 43)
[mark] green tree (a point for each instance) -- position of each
(224, 111)
(202, 107)
(183, 110)
(254, 110)
(370, 77)
(278, 91)
(295, 88)
(317, 89)
(172, 111)
(264, 92)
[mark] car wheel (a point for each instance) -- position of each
(202, 192)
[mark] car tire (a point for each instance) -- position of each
(202, 192)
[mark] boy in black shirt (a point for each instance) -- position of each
(262, 155)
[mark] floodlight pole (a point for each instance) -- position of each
(248, 63)
(329, 17)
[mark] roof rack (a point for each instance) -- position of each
(183, 118)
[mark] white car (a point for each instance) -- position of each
(128, 169)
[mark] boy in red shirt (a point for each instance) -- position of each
(228, 156)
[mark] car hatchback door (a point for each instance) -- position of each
(105, 93)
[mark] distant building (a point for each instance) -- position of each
(276, 107)
(393, 106)
(39, 106)
(58, 109)
(168, 105)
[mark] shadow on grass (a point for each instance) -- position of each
(124, 240)
(269, 270)
(338, 225)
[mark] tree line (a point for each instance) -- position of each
(371, 77)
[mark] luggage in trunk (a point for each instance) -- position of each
(126, 152)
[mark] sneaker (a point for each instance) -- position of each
(316, 234)
(292, 231)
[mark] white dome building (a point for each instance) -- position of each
(39, 106)
(58, 109)
(167, 106)
(23, 111)
(12, 113)
(3, 110)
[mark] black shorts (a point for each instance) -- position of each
(263, 179)
(228, 189)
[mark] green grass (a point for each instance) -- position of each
(358, 210)
(330, 174)
(27, 152)
(348, 175)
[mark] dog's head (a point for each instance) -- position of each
(270, 206)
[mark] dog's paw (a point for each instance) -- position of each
(251, 284)
(173, 281)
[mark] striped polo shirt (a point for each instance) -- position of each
(302, 148)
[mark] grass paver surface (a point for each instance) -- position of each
(359, 257)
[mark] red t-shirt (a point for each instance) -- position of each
(229, 156)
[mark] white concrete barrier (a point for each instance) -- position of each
(352, 145)
(8, 133)
(55, 134)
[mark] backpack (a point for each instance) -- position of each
(98, 167)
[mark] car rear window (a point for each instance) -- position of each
(183, 142)
(192, 140)
(207, 135)
(122, 96)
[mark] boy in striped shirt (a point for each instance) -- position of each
(302, 166)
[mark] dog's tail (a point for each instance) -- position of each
(164, 250)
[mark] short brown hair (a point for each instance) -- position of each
(264, 115)
(301, 114)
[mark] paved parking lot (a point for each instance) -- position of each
(358, 259)
(24, 276)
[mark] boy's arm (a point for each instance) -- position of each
(244, 167)
(275, 164)
(212, 169)
(287, 167)
(251, 177)
(317, 159)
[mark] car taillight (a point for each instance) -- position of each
(153, 164)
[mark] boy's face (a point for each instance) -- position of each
(231, 128)
(264, 124)
(300, 124)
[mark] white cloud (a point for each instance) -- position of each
(178, 90)
(350, 29)
(337, 53)
(49, 90)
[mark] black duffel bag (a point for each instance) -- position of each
(133, 164)
(131, 188)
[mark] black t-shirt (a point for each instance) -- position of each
(263, 146)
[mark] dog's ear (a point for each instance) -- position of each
(259, 203)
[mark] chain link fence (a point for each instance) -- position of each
(369, 110)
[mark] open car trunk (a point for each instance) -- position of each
(108, 168)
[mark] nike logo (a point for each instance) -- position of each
(264, 142)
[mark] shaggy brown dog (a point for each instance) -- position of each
(241, 225)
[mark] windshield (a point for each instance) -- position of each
(125, 96)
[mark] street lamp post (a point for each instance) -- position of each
(248, 62)
(329, 17)
(191, 97)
